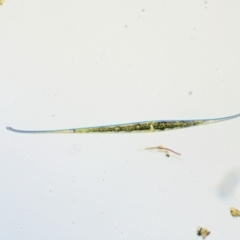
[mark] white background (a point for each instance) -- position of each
(66, 64)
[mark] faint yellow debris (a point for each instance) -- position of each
(1, 2)
(202, 232)
(234, 212)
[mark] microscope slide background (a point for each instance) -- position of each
(70, 64)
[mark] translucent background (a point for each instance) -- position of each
(66, 64)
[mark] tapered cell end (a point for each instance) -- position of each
(12, 129)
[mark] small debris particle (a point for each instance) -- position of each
(203, 232)
(234, 212)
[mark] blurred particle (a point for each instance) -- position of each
(1, 2)
(203, 232)
(228, 184)
(116, 224)
(234, 212)
(190, 93)
(205, 2)
(71, 151)
(77, 147)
